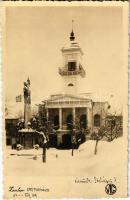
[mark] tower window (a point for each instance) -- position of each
(70, 85)
(71, 66)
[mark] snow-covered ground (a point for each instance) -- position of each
(61, 162)
(62, 171)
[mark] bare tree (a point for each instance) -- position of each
(111, 130)
(97, 135)
(113, 127)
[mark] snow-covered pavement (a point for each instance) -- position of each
(61, 162)
(63, 174)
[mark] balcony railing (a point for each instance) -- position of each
(65, 72)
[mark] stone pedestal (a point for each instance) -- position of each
(27, 114)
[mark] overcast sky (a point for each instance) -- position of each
(35, 36)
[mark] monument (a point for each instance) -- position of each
(27, 103)
(28, 136)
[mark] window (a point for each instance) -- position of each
(71, 66)
(70, 85)
(97, 120)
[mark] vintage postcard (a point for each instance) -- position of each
(65, 99)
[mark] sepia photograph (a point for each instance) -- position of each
(65, 88)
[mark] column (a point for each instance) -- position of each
(60, 118)
(89, 117)
(73, 116)
(47, 114)
(59, 133)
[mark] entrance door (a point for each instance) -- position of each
(56, 122)
(69, 122)
(83, 121)
(66, 140)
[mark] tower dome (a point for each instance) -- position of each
(72, 69)
(72, 37)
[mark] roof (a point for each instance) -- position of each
(72, 46)
(26, 130)
(67, 101)
(66, 97)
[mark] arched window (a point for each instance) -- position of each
(97, 119)
(70, 85)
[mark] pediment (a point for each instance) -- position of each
(67, 97)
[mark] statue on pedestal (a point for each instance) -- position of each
(27, 102)
(27, 92)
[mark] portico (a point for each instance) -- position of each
(66, 111)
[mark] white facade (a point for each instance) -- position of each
(72, 70)
(70, 107)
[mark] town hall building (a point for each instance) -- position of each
(70, 108)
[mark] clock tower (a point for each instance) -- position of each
(72, 69)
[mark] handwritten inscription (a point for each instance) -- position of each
(95, 180)
(13, 189)
(30, 192)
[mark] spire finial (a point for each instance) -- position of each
(72, 37)
(72, 24)
(28, 80)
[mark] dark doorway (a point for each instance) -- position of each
(83, 121)
(66, 141)
(70, 122)
(52, 140)
(56, 122)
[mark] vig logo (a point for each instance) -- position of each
(110, 189)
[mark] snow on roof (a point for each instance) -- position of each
(27, 130)
(66, 97)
